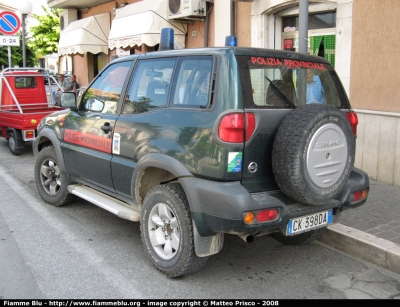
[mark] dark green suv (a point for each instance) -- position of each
(198, 143)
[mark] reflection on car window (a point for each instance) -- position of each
(278, 84)
(103, 95)
(25, 82)
(150, 86)
(193, 81)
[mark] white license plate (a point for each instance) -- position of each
(309, 222)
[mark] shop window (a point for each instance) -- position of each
(315, 21)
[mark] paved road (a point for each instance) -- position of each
(81, 251)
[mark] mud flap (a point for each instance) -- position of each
(207, 246)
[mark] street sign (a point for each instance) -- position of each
(7, 40)
(9, 23)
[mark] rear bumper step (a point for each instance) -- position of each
(117, 207)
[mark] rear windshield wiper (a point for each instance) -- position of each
(280, 94)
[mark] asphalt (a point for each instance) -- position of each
(372, 231)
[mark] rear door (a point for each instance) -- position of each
(271, 89)
(88, 133)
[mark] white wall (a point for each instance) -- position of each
(222, 9)
(343, 41)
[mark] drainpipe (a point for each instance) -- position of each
(232, 18)
(209, 6)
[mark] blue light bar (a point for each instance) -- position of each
(167, 39)
(231, 41)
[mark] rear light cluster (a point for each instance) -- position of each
(239, 127)
(358, 196)
(260, 216)
(236, 127)
(353, 119)
(29, 134)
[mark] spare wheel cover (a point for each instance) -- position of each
(313, 153)
(326, 156)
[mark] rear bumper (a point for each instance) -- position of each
(219, 207)
(358, 180)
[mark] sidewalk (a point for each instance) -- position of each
(372, 231)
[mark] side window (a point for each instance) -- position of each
(150, 85)
(193, 81)
(103, 95)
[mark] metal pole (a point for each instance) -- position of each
(9, 56)
(303, 47)
(23, 41)
(303, 26)
(232, 18)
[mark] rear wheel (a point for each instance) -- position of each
(12, 144)
(167, 231)
(51, 184)
(300, 239)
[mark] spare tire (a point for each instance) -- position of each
(313, 153)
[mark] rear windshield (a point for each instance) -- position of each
(25, 82)
(286, 83)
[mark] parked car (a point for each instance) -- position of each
(53, 77)
(67, 74)
(198, 143)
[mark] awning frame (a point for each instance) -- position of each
(145, 20)
(89, 34)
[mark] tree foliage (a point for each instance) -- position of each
(16, 54)
(46, 35)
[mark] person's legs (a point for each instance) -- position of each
(58, 99)
(53, 94)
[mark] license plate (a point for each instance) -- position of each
(309, 222)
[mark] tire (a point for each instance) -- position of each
(313, 153)
(300, 239)
(51, 184)
(12, 144)
(167, 232)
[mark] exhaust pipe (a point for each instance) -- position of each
(247, 238)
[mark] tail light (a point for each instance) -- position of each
(358, 196)
(29, 134)
(353, 119)
(236, 127)
(261, 216)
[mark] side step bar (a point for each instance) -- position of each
(115, 206)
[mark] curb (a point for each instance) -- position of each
(363, 245)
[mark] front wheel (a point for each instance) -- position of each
(51, 184)
(167, 231)
(12, 144)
